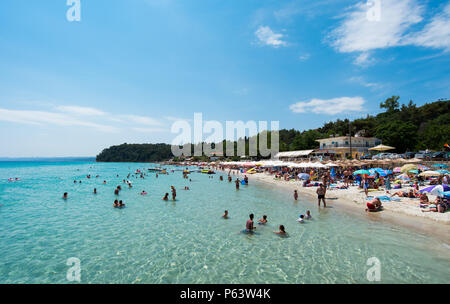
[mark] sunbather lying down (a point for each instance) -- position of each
(439, 205)
(411, 194)
(374, 205)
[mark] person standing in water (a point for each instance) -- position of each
(295, 195)
(174, 193)
(321, 194)
(249, 226)
(95, 190)
(237, 183)
(65, 196)
(225, 215)
(166, 197)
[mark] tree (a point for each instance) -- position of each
(390, 104)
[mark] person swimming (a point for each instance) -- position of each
(116, 204)
(308, 215)
(95, 190)
(301, 218)
(281, 231)
(143, 192)
(65, 195)
(121, 204)
(263, 220)
(166, 197)
(225, 214)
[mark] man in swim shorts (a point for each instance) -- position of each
(249, 225)
(321, 194)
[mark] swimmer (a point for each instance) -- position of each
(249, 225)
(65, 195)
(225, 215)
(186, 188)
(301, 218)
(281, 232)
(116, 204)
(166, 197)
(95, 190)
(116, 191)
(308, 215)
(104, 182)
(143, 192)
(121, 204)
(295, 195)
(263, 220)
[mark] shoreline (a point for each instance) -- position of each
(404, 213)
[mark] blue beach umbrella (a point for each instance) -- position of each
(440, 166)
(361, 172)
(380, 171)
(303, 176)
(443, 171)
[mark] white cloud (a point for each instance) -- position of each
(329, 106)
(42, 117)
(372, 85)
(395, 27)
(80, 110)
(304, 57)
(358, 33)
(143, 120)
(435, 34)
(266, 36)
(149, 130)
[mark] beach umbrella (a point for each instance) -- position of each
(381, 148)
(440, 166)
(443, 171)
(422, 167)
(446, 194)
(430, 173)
(303, 176)
(403, 177)
(380, 171)
(361, 172)
(408, 167)
(435, 189)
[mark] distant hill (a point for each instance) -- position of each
(406, 127)
(136, 153)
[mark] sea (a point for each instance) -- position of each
(45, 239)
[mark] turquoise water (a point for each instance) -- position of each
(153, 241)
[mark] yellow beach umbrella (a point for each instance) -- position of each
(408, 167)
(382, 148)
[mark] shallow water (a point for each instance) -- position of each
(153, 241)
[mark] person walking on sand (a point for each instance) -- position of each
(321, 191)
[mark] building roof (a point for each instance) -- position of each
(293, 153)
(345, 137)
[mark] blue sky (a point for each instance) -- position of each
(130, 68)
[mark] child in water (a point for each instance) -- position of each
(166, 197)
(301, 219)
(263, 220)
(308, 215)
(281, 231)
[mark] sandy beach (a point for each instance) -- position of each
(405, 212)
